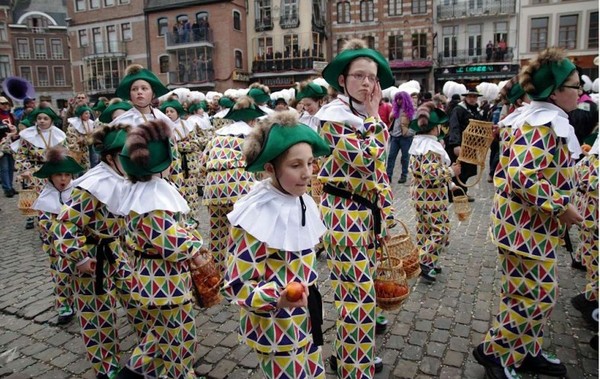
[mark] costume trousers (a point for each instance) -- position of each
(61, 271)
(529, 288)
(303, 363)
(433, 231)
(168, 346)
(354, 298)
(219, 233)
(589, 257)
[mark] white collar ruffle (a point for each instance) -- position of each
(155, 194)
(105, 184)
(238, 128)
(51, 200)
(339, 111)
(202, 122)
(312, 121)
(181, 129)
(77, 124)
(221, 113)
(423, 143)
(53, 136)
(275, 218)
(134, 117)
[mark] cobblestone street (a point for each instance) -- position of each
(432, 336)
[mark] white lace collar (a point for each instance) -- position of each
(275, 218)
(51, 200)
(155, 194)
(423, 143)
(81, 127)
(105, 184)
(39, 138)
(134, 117)
(238, 128)
(181, 129)
(339, 111)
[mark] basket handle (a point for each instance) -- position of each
(403, 224)
(479, 173)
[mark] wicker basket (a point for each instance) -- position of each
(26, 199)
(207, 281)
(462, 208)
(316, 189)
(476, 140)
(391, 287)
(402, 246)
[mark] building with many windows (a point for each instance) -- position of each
(401, 30)
(572, 25)
(38, 33)
(6, 52)
(286, 41)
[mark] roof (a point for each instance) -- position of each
(155, 5)
(57, 9)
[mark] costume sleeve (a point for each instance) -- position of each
(364, 152)
(68, 230)
(244, 279)
(434, 169)
(161, 231)
(45, 221)
(73, 139)
(22, 163)
(527, 162)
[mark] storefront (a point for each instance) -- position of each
(472, 75)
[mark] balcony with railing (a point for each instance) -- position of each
(477, 55)
(278, 62)
(189, 38)
(102, 83)
(289, 21)
(264, 24)
(475, 8)
(204, 74)
(104, 49)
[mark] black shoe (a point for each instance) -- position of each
(470, 199)
(127, 373)
(493, 368)
(428, 273)
(65, 319)
(333, 364)
(29, 223)
(583, 305)
(381, 324)
(438, 269)
(578, 265)
(594, 342)
(9, 193)
(402, 180)
(543, 364)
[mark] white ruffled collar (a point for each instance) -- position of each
(38, 137)
(238, 128)
(181, 129)
(339, 111)
(155, 194)
(311, 121)
(134, 117)
(105, 184)
(203, 122)
(275, 218)
(77, 124)
(423, 143)
(51, 200)
(221, 113)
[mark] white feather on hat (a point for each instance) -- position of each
(595, 85)
(489, 91)
(502, 84)
(595, 98)
(196, 96)
(389, 92)
(210, 95)
(587, 83)
(452, 88)
(321, 82)
(410, 87)
(182, 93)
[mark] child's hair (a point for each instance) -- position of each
(97, 139)
(137, 144)
(551, 54)
(255, 142)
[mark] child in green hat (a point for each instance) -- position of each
(115, 108)
(79, 131)
(311, 96)
(275, 228)
(432, 174)
(57, 171)
(164, 250)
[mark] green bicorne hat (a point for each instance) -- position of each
(259, 95)
(106, 116)
(515, 93)
(427, 119)
(338, 65)
(160, 158)
(200, 105)
(100, 106)
(236, 113)
(140, 73)
(82, 109)
(47, 111)
(313, 91)
(549, 77)
(113, 140)
(282, 137)
(172, 104)
(226, 102)
(62, 164)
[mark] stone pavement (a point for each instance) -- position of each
(430, 337)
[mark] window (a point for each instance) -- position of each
(163, 26)
(83, 38)
(94, 4)
(539, 34)
(4, 66)
(539, 1)
(289, 9)
(262, 14)
(121, 2)
(237, 20)
(42, 76)
(340, 44)
(39, 46)
(501, 33)
(567, 32)
(238, 59)
(394, 7)
(182, 18)
(290, 44)
(97, 41)
(57, 48)
(419, 46)
(202, 15)
(316, 45)
(79, 5)
(475, 4)
(395, 47)
(59, 76)
(25, 73)
(113, 40)
(450, 40)
(163, 63)
(593, 32)
(23, 48)
(419, 6)
(366, 11)
(109, 3)
(474, 40)
(265, 46)
(343, 12)
(370, 40)
(3, 32)
(126, 32)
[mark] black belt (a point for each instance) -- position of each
(102, 253)
(315, 310)
(375, 211)
(141, 254)
(185, 165)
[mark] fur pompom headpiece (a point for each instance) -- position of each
(147, 149)
(427, 118)
(546, 73)
(58, 161)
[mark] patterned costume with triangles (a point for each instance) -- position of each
(535, 183)
(429, 194)
(85, 229)
(357, 165)
(188, 146)
(78, 132)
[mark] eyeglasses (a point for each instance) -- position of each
(4, 103)
(360, 77)
(578, 87)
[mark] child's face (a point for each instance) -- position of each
(61, 180)
(43, 121)
(292, 171)
(171, 113)
(141, 93)
(85, 116)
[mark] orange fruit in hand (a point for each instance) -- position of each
(294, 291)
